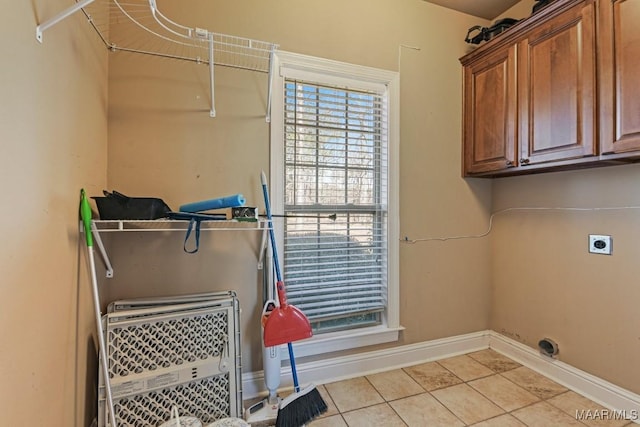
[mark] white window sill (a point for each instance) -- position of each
(344, 340)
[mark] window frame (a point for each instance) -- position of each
(324, 71)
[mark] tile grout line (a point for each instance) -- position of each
(496, 372)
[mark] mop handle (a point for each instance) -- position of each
(85, 214)
(267, 208)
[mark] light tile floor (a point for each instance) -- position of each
(484, 389)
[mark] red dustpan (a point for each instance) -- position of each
(286, 323)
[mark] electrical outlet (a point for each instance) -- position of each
(600, 244)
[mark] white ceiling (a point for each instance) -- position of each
(487, 9)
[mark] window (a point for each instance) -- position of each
(334, 177)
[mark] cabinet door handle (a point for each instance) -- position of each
(524, 161)
(509, 164)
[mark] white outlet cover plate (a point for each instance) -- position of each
(600, 244)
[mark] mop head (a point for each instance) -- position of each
(299, 408)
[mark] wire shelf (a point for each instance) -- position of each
(111, 225)
(139, 26)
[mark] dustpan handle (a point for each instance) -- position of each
(276, 263)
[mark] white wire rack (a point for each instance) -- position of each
(139, 26)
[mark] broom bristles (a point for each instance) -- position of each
(299, 408)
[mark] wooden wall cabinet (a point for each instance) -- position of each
(556, 88)
(619, 66)
(531, 94)
(490, 112)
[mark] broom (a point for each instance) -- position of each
(303, 406)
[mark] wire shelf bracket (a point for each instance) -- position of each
(139, 26)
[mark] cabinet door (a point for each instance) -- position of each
(556, 88)
(619, 35)
(489, 113)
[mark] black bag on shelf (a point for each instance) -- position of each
(539, 5)
(478, 34)
(118, 206)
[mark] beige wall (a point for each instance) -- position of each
(162, 142)
(53, 136)
(546, 284)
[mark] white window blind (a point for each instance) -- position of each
(335, 163)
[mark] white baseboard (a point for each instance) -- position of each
(600, 391)
(339, 368)
(334, 369)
